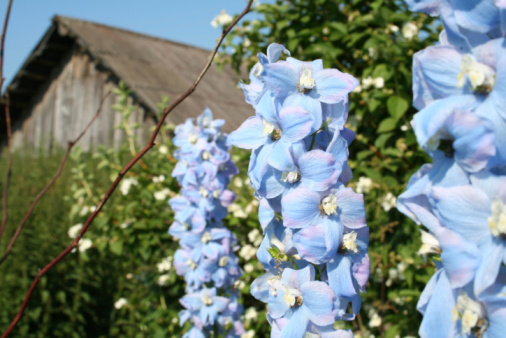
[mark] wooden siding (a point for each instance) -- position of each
(68, 100)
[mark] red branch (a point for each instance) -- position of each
(70, 145)
(122, 173)
(9, 165)
(8, 122)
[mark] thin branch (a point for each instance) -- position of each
(70, 145)
(9, 165)
(4, 31)
(122, 173)
(7, 120)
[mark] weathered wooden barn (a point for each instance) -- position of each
(59, 87)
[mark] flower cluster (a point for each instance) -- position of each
(459, 87)
(315, 235)
(206, 258)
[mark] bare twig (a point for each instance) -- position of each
(9, 166)
(122, 173)
(4, 30)
(70, 145)
(8, 122)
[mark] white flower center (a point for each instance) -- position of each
(291, 177)
(191, 264)
(273, 284)
(206, 155)
(206, 237)
(203, 192)
(329, 205)
(480, 76)
(350, 241)
(258, 69)
(293, 297)
(430, 244)
(497, 221)
(306, 81)
(268, 127)
(206, 299)
(223, 261)
(470, 312)
(192, 138)
(206, 121)
(216, 194)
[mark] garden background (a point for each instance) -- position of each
(120, 282)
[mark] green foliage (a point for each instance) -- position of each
(127, 252)
(370, 40)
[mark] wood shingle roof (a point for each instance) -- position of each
(151, 67)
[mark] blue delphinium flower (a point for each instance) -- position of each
(206, 256)
(459, 86)
(311, 221)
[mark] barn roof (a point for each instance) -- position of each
(150, 66)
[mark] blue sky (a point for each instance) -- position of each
(186, 21)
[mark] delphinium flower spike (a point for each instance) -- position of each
(316, 238)
(206, 258)
(459, 87)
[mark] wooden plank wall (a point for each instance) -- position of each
(68, 101)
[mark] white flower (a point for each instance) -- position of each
(120, 303)
(255, 237)
(375, 320)
(247, 252)
(85, 244)
(358, 89)
(364, 185)
(237, 182)
(163, 280)
(401, 267)
(249, 268)
(239, 284)
(126, 184)
(409, 30)
(326, 30)
(246, 42)
(251, 314)
(405, 127)
(371, 51)
(367, 82)
(162, 194)
(163, 149)
(394, 28)
(165, 264)
(393, 274)
(388, 201)
(74, 230)
(158, 179)
(248, 334)
(84, 211)
(237, 211)
(379, 82)
(221, 19)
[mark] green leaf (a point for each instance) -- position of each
(397, 106)
(382, 139)
(116, 247)
(383, 70)
(387, 125)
